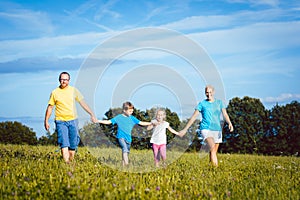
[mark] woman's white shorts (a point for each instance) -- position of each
(216, 135)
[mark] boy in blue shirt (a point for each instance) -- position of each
(125, 122)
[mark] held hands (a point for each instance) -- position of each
(182, 133)
(178, 134)
(94, 119)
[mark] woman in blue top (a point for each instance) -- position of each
(125, 122)
(210, 125)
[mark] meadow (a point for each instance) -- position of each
(38, 172)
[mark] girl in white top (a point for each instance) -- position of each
(159, 137)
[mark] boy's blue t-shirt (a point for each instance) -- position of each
(125, 125)
(211, 113)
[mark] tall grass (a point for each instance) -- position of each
(38, 172)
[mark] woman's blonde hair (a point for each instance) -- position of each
(209, 86)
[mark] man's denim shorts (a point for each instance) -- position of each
(124, 145)
(67, 133)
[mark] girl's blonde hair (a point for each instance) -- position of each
(162, 110)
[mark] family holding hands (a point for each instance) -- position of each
(66, 122)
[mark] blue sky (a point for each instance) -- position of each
(253, 44)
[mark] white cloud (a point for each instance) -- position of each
(60, 46)
(101, 10)
(254, 64)
(29, 21)
(253, 38)
(106, 9)
(282, 98)
(272, 3)
(225, 21)
(200, 22)
(254, 50)
(234, 39)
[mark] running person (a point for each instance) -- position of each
(159, 137)
(66, 122)
(210, 126)
(125, 122)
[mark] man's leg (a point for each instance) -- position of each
(71, 154)
(63, 139)
(74, 138)
(65, 154)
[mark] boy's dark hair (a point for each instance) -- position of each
(127, 105)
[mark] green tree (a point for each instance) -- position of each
(283, 130)
(99, 135)
(247, 116)
(16, 133)
(93, 135)
(49, 139)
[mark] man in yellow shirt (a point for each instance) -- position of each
(66, 122)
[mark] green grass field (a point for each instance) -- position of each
(38, 172)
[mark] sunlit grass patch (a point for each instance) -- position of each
(39, 173)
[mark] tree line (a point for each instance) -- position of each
(257, 130)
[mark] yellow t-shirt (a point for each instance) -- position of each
(64, 101)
